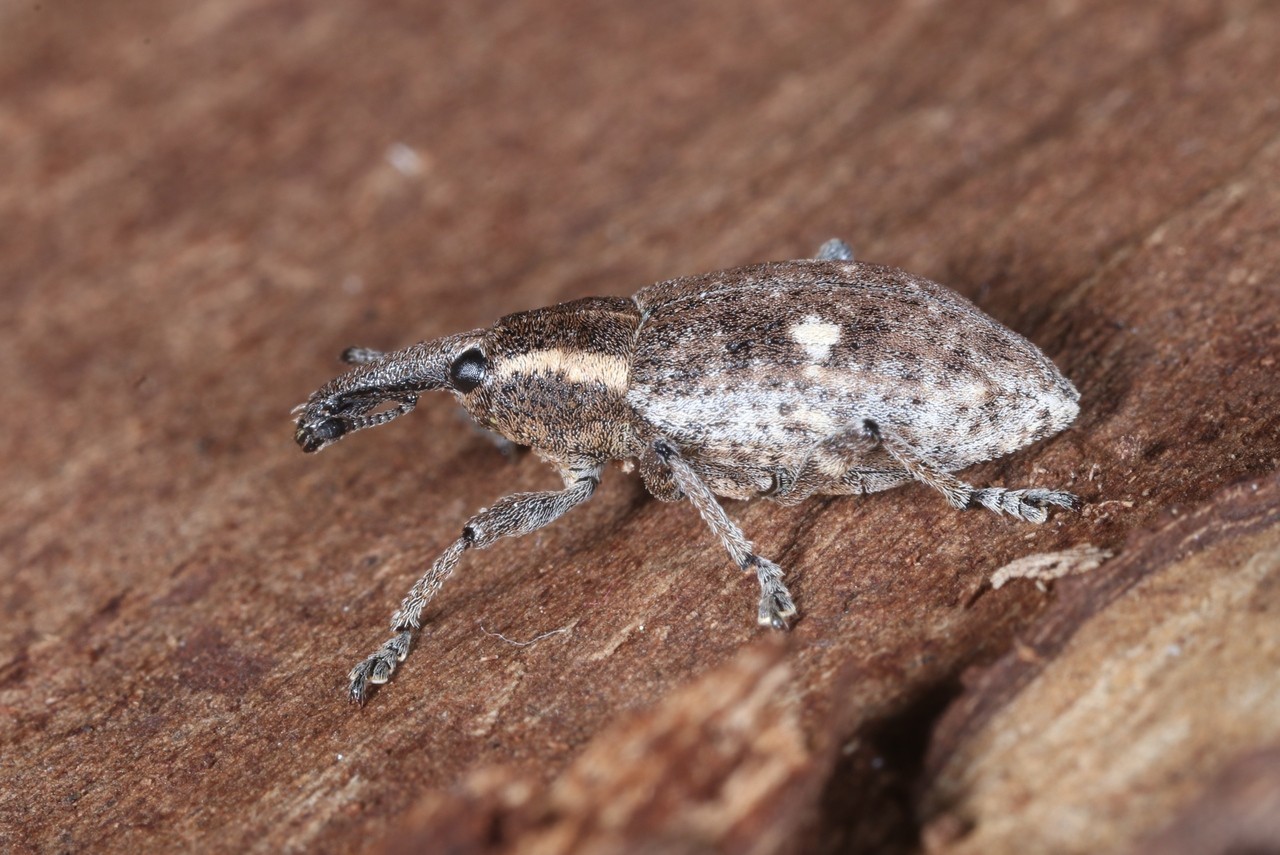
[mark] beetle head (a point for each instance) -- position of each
(381, 389)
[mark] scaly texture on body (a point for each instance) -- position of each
(782, 380)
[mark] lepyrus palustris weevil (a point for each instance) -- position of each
(782, 380)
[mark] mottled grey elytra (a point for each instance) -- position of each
(782, 380)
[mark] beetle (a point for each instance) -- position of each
(780, 380)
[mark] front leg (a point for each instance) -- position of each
(519, 513)
(776, 604)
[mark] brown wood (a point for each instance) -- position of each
(202, 204)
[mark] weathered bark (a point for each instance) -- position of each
(201, 204)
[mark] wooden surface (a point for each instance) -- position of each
(202, 203)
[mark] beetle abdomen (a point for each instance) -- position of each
(762, 363)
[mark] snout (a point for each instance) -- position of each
(312, 437)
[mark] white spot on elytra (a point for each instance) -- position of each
(816, 336)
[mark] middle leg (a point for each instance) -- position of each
(776, 604)
(831, 469)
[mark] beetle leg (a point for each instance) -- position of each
(1030, 504)
(361, 355)
(834, 250)
(776, 604)
(519, 513)
(829, 469)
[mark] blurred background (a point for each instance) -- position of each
(203, 203)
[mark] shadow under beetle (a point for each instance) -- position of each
(782, 380)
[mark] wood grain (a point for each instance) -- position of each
(202, 204)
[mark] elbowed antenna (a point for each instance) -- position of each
(347, 403)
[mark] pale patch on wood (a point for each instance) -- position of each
(1045, 566)
(574, 366)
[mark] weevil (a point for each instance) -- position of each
(782, 380)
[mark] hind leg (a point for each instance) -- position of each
(1030, 504)
(838, 467)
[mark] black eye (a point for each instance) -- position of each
(467, 370)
